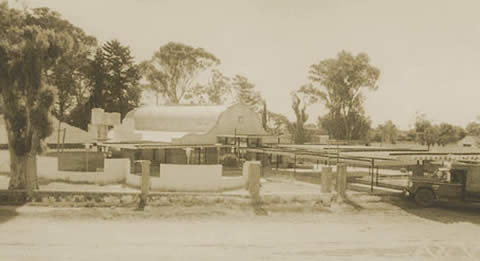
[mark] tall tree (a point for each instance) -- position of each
(426, 132)
(29, 47)
(123, 91)
(297, 129)
(173, 69)
(339, 84)
(430, 136)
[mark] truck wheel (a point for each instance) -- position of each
(425, 197)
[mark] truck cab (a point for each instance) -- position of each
(460, 182)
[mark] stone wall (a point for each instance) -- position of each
(119, 199)
(131, 199)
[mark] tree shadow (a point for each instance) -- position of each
(10, 201)
(259, 211)
(446, 213)
(7, 213)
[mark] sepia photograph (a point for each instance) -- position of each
(239, 130)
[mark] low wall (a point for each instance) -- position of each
(175, 177)
(191, 177)
(228, 183)
(115, 171)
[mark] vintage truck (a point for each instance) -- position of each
(459, 182)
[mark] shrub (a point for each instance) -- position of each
(230, 160)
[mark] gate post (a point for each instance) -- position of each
(145, 185)
(326, 180)
(341, 179)
(253, 182)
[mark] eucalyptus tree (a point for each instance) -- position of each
(172, 70)
(30, 45)
(340, 83)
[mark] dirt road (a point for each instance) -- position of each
(370, 231)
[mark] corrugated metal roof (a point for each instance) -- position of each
(176, 118)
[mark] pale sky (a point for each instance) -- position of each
(428, 51)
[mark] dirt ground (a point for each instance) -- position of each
(368, 228)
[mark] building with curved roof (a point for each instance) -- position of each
(186, 124)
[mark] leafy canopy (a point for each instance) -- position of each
(338, 83)
(173, 69)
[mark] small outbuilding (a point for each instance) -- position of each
(469, 141)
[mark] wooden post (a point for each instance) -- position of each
(326, 180)
(341, 179)
(294, 164)
(218, 155)
(276, 161)
(145, 186)
(373, 170)
(199, 155)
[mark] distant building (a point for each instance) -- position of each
(320, 139)
(470, 141)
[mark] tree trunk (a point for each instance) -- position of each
(31, 173)
(17, 172)
(23, 173)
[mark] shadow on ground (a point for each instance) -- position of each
(259, 210)
(352, 203)
(446, 213)
(7, 213)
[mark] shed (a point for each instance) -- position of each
(469, 141)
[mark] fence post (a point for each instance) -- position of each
(341, 179)
(145, 186)
(253, 183)
(326, 180)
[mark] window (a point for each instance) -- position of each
(231, 141)
(222, 140)
(243, 142)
